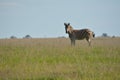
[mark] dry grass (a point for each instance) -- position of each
(55, 59)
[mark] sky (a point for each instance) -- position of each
(46, 18)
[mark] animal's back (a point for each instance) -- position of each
(81, 34)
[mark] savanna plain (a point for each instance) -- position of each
(56, 59)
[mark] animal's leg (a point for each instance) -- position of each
(73, 42)
(89, 41)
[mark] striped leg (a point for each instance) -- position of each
(89, 41)
(73, 42)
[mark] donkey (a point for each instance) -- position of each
(78, 34)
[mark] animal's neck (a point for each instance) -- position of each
(70, 29)
(71, 34)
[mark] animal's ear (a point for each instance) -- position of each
(68, 23)
(64, 23)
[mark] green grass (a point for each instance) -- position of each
(56, 59)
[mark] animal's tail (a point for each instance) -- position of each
(93, 34)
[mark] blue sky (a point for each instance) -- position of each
(45, 18)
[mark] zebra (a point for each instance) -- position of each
(78, 34)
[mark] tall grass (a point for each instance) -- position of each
(56, 59)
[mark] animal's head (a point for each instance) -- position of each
(68, 28)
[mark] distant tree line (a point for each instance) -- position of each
(29, 37)
(106, 35)
(26, 37)
(13, 37)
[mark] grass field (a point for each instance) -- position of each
(56, 59)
